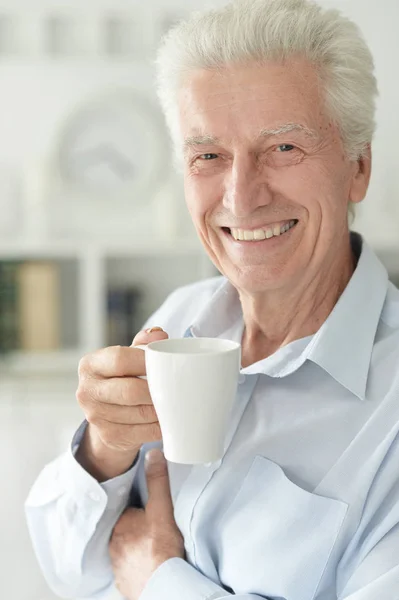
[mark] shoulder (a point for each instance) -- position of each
(390, 311)
(385, 359)
(183, 305)
(388, 328)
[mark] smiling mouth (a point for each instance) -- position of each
(250, 235)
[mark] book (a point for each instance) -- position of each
(38, 306)
(122, 315)
(8, 307)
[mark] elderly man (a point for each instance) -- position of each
(270, 104)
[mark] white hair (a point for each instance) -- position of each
(260, 30)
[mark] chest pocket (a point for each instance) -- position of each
(276, 538)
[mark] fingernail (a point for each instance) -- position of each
(151, 329)
(154, 456)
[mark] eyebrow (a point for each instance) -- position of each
(200, 140)
(287, 128)
(210, 140)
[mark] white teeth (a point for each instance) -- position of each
(260, 234)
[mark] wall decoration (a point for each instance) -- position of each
(109, 160)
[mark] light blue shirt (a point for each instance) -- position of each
(305, 502)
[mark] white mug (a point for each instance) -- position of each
(193, 385)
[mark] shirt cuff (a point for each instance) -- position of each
(176, 578)
(112, 494)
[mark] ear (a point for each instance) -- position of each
(361, 177)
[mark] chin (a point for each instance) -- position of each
(252, 281)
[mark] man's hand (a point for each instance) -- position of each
(143, 539)
(118, 406)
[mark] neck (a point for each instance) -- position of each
(275, 318)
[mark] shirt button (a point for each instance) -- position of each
(95, 496)
(121, 490)
(213, 465)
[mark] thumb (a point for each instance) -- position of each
(154, 334)
(159, 503)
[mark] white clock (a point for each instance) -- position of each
(112, 148)
(110, 161)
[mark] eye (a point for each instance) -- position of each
(208, 156)
(284, 155)
(285, 148)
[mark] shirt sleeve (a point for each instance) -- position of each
(70, 518)
(176, 578)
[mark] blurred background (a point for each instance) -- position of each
(93, 229)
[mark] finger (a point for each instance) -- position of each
(146, 336)
(159, 503)
(125, 437)
(119, 361)
(114, 361)
(113, 413)
(122, 391)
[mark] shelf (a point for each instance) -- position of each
(31, 250)
(73, 249)
(29, 363)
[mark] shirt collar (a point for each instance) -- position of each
(342, 346)
(221, 313)
(344, 343)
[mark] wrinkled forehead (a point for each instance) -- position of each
(252, 103)
(271, 98)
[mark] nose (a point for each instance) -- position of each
(246, 187)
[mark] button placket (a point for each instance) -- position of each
(242, 400)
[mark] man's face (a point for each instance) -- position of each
(240, 174)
